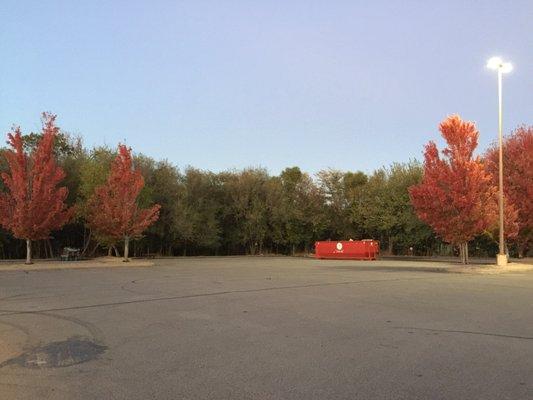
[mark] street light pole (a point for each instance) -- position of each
(502, 67)
(500, 172)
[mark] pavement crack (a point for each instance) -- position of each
(465, 332)
(4, 312)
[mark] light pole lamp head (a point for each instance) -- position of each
(498, 64)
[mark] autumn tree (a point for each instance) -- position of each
(456, 196)
(33, 204)
(518, 181)
(113, 211)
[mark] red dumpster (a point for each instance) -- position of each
(367, 249)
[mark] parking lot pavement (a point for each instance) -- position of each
(265, 328)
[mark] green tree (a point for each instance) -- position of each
(336, 204)
(165, 185)
(93, 171)
(296, 216)
(196, 216)
(246, 199)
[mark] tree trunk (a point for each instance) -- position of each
(50, 248)
(28, 252)
(45, 248)
(84, 247)
(110, 251)
(126, 248)
(463, 252)
(91, 253)
(390, 245)
(117, 254)
(522, 250)
(87, 243)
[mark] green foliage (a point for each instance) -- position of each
(379, 207)
(246, 192)
(64, 144)
(93, 172)
(336, 204)
(198, 210)
(165, 186)
(297, 217)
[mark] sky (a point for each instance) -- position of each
(351, 85)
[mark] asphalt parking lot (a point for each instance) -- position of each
(265, 328)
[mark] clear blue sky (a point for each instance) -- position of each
(221, 84)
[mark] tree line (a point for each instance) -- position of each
(164, 210)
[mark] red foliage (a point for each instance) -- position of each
(456, 196)
(33, 205)
(517, 178)
(113, 211)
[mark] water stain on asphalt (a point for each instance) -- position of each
(65, 353)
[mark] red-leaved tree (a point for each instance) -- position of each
(113, 211)
(517, 180)
(33, 204)
(456, 196)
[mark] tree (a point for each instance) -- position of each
(113, 211)
(165, 183)
(93, 172)
(295, 206)
(383, 208)
(456, 196)
(333, 187)
(518, 181)
(356, 190)
(33, 205)
(198, 209)
(247, 215)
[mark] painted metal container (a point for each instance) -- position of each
(367, 249)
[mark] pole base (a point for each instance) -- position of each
(501, 260)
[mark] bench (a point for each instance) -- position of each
(70, 254)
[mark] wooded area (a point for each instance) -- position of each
(249, 211)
